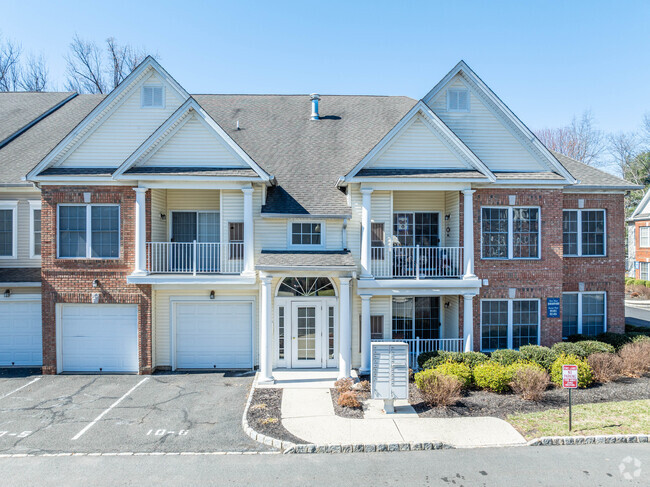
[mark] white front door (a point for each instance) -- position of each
(306, 334)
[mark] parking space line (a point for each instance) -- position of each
(91, 424)
(21, 387)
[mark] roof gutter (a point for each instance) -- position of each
(21, 131)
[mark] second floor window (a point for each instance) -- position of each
(7, 230)
(89, 231)
(644, 237)
(510, 233)
(306, 233)
(584, 233)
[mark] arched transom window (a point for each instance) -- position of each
(306, 286)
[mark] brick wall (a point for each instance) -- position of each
(70, 280)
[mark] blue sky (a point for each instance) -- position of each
(547, 60)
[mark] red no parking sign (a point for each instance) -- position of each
(570, 376)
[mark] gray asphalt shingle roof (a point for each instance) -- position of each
(590, 176)
(20, 274)
(23, 153)
(280, 259)
(193, 171)
(306, 156)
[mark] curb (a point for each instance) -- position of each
(588, 440)
(289, 447)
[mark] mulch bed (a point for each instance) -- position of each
(483, 403)
(264, 415)
(347, 412)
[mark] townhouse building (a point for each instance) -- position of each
(638, 241)
(183, 231)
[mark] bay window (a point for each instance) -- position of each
(509, 323)
(584, 233)
(89, 231)
(510, 233)
(583, 313)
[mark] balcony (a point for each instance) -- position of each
(195, 258)
(416, 262)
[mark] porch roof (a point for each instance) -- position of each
(20, 274)
(422, 173)
(307, 260)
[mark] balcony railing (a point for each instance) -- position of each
(195, 257)
(420, 345)
(416, 262)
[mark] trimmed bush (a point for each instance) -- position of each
(529, 381)
(585, 374)
(493, 376)
(616, 340)
(593, 346)
(606, 366)
(568, 348)
(577, 337)
(456, 369)
(344, 385)
(636, 358)
(438, 389)
(542, 356)
(469, 358)
(349, 399)
(424, 357)
(506, 356)
(362, 386)
(640, 338)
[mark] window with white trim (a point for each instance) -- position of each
(644, 271)
(510, 232)
(458, 100)
(153, 96)
(584, 313)
(89, 231)
(35, 229)
(584, 233)
(416, 317)
(8, 229)
(509, 323)
(306, 234)
(644, 237)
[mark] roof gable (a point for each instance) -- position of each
(490, 128)
(189, 138)
(117, 126)
(421, 140)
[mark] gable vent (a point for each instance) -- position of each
(314, 97)
(152, 96)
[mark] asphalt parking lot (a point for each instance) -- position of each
(123, 413)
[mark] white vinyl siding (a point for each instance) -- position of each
(417, 146)
(485, 134)
(118, 136)
(23, 257)
(158, 208)
(450, 320)
(194, 145)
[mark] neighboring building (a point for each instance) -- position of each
(233, 231)
(638, 240)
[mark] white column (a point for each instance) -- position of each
(365, 333)
(266, 333)
(468, 322)
(249, 229)
(468, 233)
(140, 231)
(345, 330)
(366, 216)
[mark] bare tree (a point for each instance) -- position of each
(9, 65)
(91, 70)
(580, 140)
(623, 147)
(34, 74)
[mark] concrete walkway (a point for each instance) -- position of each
(309, 414)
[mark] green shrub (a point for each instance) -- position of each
(506, 356)
(569, 348)
(646, 283)
(585, 374)
(577, 337)
(616, 340)
(542, 356)
(594, 346)
(628, 280)
(424, 357)
(638, 282)
(456, 369)
(493, 376)
(640, 338)
(438, 389)
(469, 358)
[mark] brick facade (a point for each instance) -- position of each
(641, 254)
(70, 280)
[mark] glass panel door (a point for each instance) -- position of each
(306, 335)
(208, 231)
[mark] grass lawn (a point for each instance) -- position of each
(608, 418)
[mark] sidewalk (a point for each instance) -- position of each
(309, 414)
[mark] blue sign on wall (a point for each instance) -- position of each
(552, 307)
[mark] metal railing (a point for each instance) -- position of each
(416, 262)
(195, 257)
(421, 345)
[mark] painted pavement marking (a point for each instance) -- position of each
(92, 423)
(21, 387)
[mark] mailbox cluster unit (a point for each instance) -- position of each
(389, 374)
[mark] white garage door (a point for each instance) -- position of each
(21, 333)
(215, 335)
(99, 338)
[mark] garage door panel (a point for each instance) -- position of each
(99, 337)
(214, 335)
(21, 333)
